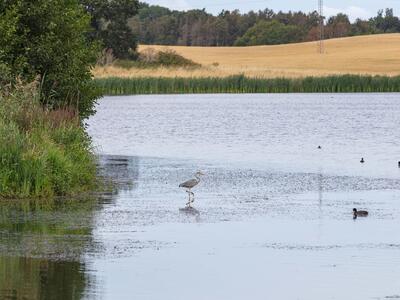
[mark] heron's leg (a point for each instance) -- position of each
(192, 196)
(189, 201)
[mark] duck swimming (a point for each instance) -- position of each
(359, 213)
(362, 160)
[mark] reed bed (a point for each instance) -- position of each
(243, 84)
(43, 152)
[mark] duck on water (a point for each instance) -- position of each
(359, 213)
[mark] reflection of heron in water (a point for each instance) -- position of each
(189, 185)
(320, 188)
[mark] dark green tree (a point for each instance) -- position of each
(49, 39)
(270, 33)
(110, 23)
(386, 23)
(362, 27)
(338, 26)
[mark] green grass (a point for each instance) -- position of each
(242, 84)
(43, 153)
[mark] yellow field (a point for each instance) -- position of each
(373, 54)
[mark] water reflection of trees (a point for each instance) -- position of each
(41, 248)
(29, 278)
(44, 244)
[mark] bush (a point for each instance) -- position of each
(42, 152)
(151, 58)
(171, 58)
(50, 39)
(5, 76)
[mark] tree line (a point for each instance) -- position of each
(59, 41)
(159, 25)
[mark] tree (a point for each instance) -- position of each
(232, 19)
(49, 39)
(270, 33)
(362, 27)
(159, 25)
(110, 23)
(338, 26)
(387, 23)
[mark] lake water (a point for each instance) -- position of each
(274, 212)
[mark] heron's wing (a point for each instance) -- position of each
(189, 184)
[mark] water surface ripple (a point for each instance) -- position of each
(273, 212)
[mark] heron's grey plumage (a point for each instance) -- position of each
(189, 184)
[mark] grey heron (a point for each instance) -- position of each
(191, 184)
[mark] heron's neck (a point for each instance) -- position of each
(197, 177)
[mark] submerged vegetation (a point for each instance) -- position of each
(242, 84)
(43, 152)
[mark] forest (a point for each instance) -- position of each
(156, 25)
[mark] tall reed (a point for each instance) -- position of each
(42, 152)
(242, 84)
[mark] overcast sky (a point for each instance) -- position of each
(354, 8)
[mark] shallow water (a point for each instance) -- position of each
(273, 213)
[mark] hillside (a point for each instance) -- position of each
(372, 54)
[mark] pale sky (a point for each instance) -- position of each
(354, 8)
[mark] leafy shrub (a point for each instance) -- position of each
(148, 56)
(5, 75)
(51, 39)
(151, 58)
(171, 58)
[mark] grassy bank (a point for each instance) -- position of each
(42, 152)
(242, 84)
